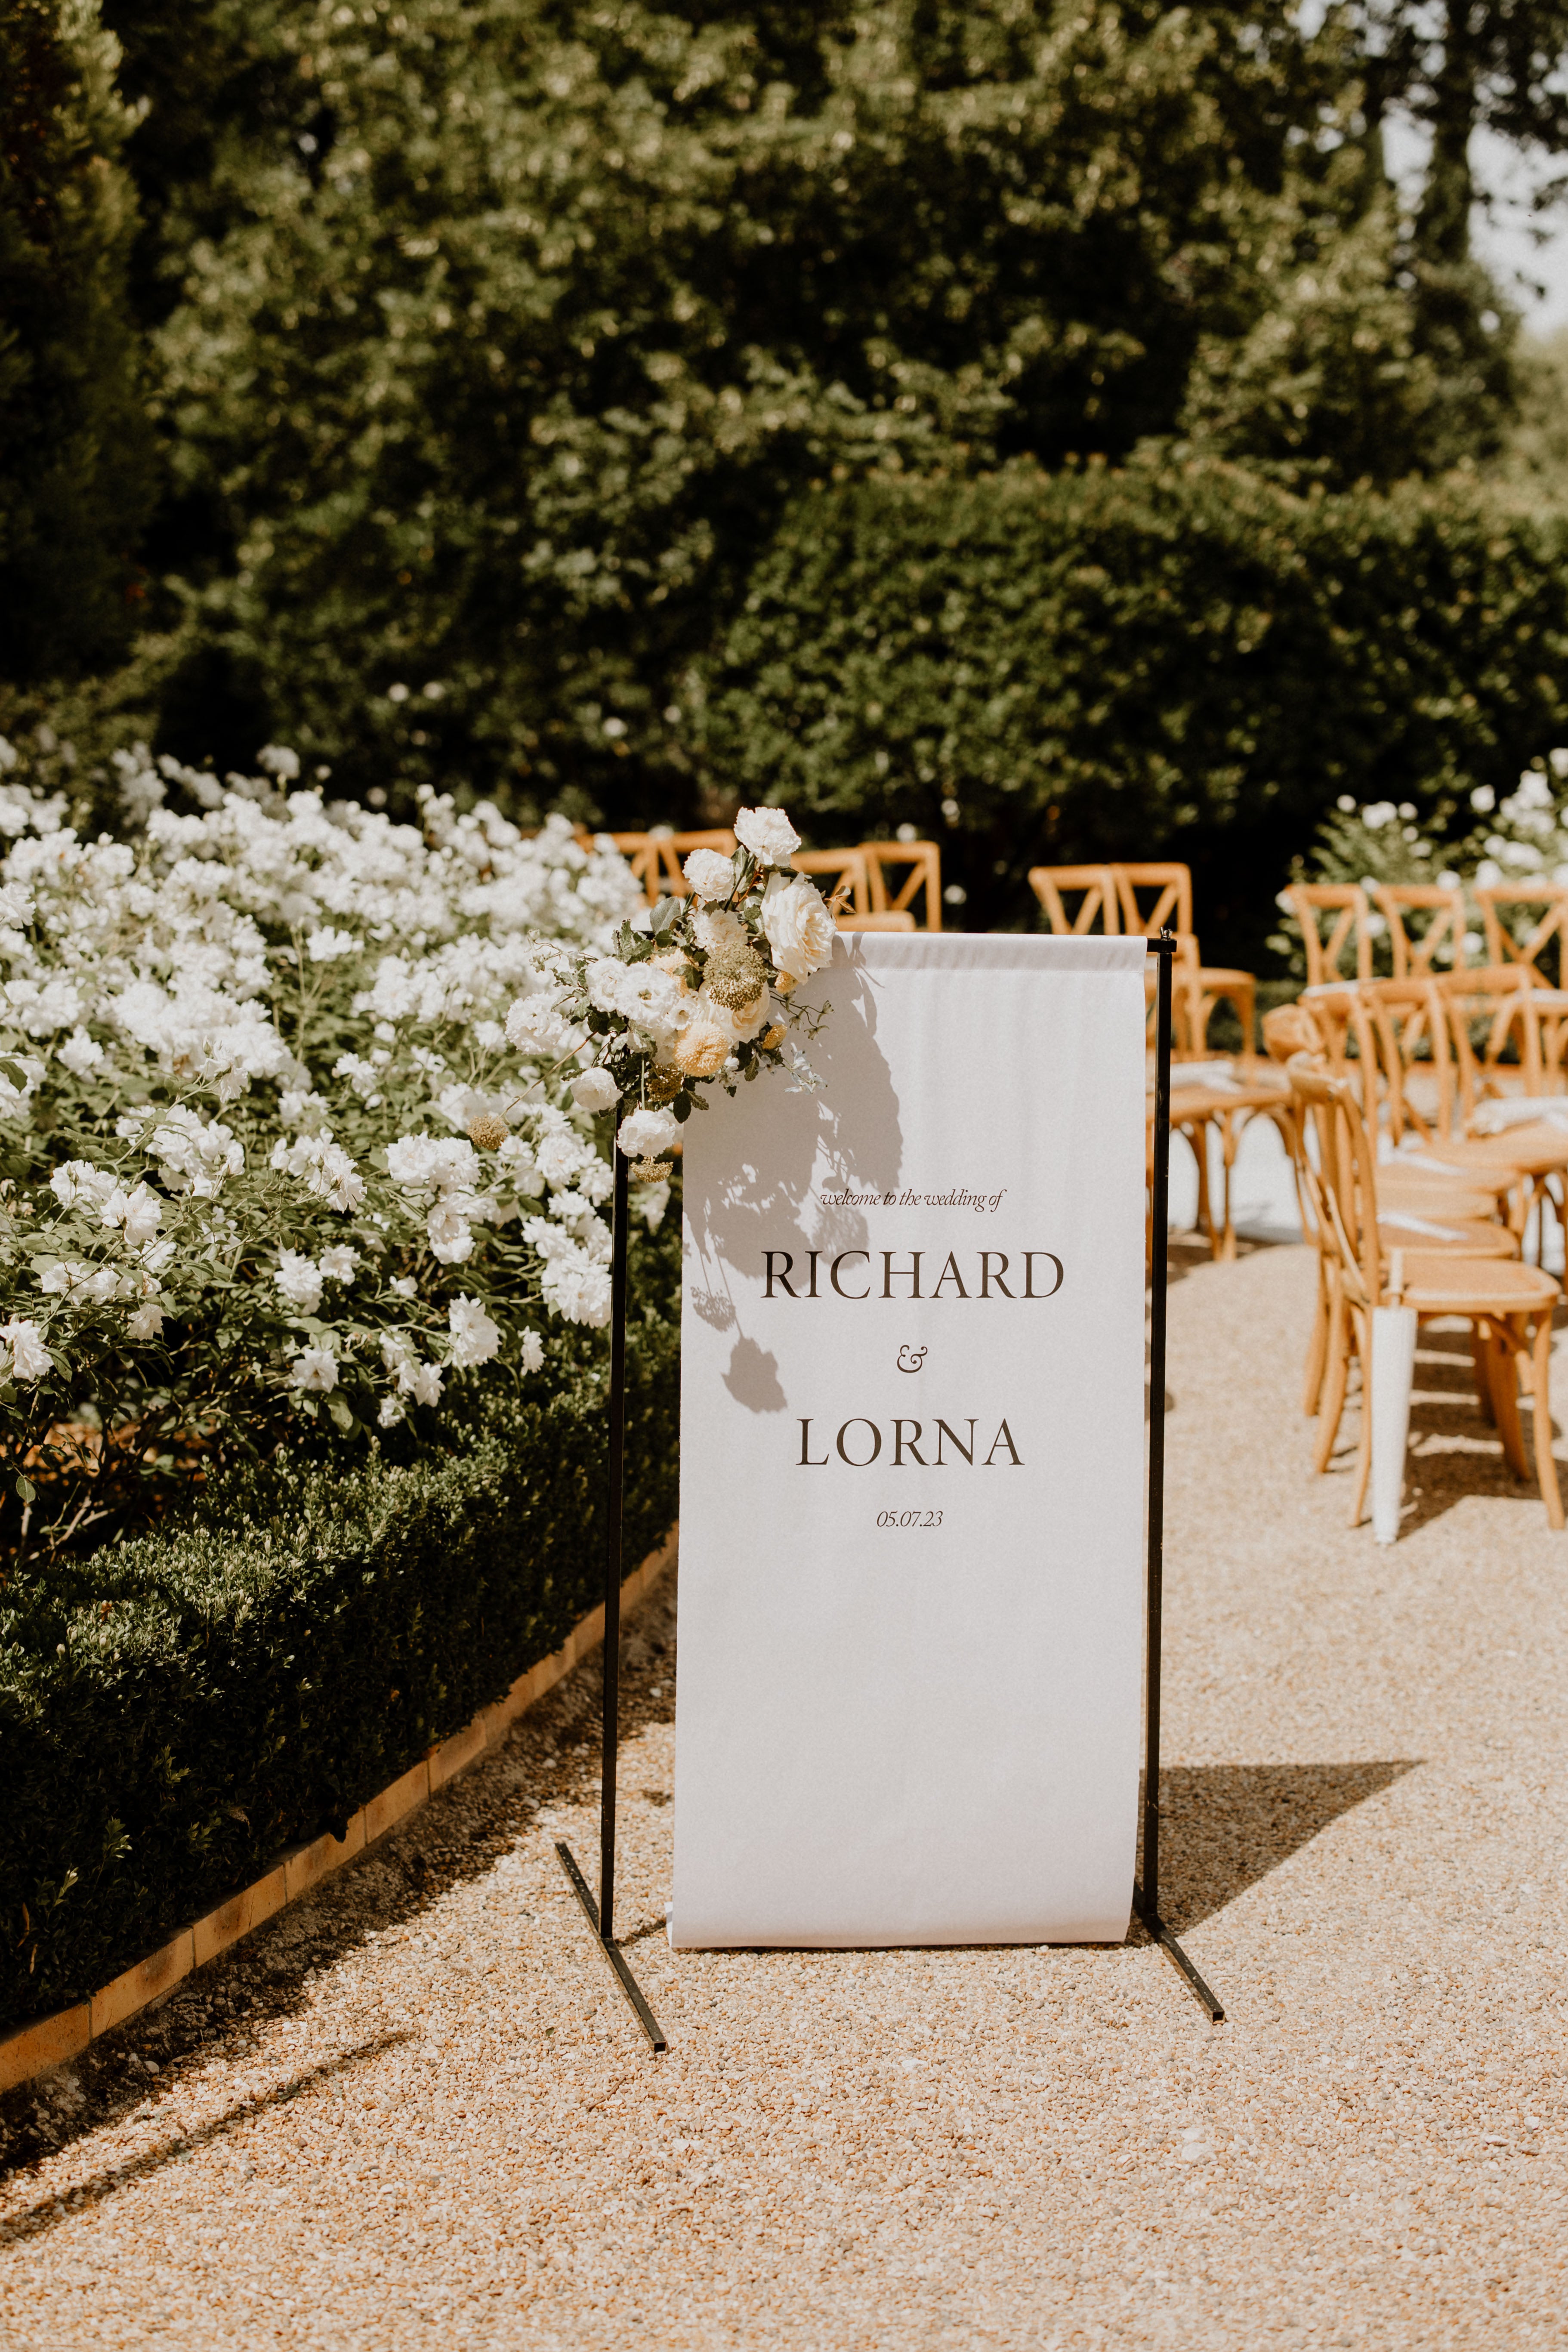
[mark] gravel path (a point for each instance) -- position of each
(416, 2113)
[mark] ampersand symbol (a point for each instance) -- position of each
(911, 1358)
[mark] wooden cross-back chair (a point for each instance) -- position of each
(655, 857)
(888, 919)
(1426, 1206)
(844, 873)
(1172, 889)
(1093, 886)
(1346, 906)
(1417, 953)
(885, 862)
(1501, 1299)
(1498, 900)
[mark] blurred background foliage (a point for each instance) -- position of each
(1038, 423)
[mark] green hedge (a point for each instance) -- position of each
(178, 1709)
(1170, 660)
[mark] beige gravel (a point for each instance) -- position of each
(416, 2113)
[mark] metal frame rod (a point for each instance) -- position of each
(601, 1915)
(1146, 1894)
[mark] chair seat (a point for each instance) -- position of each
(1531, 1150)
(1434, 1192)
(1470, 1236)
(1436, 1285)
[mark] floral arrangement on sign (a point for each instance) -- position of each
(299, 1110)
(697, 990)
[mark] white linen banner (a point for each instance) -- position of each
(912, 1460)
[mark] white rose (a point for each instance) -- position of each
(147, 1323)
(315, 1368)
(298, 1279)
(643, 1134)
(710, 874)
(449, 1237)
(798, 926)
(594, 1090)
(768, 833)
(81, 1054)
(338, 1263)
(475, 1338)
(533, 1351)
(30, 1360)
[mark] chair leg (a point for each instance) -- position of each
(1505, 1401)
(1364, 1443)
(1317, 1347)
(1483, 1375)
(1229, 1139)
(1333, 1406)
(1199, 1140)
(1545, 1465)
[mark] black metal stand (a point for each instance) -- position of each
(1146, 1896)
(601, 1915)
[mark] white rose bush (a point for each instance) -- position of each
(305, 1116)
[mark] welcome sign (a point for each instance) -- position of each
(912, 1461)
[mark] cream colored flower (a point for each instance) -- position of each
(714, 933)
(702, 1051)
(798, 926)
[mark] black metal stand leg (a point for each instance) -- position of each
(1146, 1896)
(601, 1915)
(613, 1953)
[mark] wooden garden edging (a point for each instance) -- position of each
(48, 2041)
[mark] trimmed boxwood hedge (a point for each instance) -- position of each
(176, 1708)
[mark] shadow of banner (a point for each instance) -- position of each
(1225, 1826)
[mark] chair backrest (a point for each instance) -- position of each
(888, 919)
(847, 870)
(1442, 940)
(655, 857)
(1171, 887)
(1053, 885)
(1341, 1177)
(1346, 906)
(1404, 1038)
(891, 895)
(1515, 1011)
(1502, 948)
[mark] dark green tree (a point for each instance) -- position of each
(77, 453)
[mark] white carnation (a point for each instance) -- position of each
(643, 1134)
(594, 1090)
(710, 874)
(768, 833)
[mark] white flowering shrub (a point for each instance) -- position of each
(286, 1131)
(1473, 844)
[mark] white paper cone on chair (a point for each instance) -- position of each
(1393, 1372)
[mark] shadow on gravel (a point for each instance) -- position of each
(1225, 1826)
(31, 2221)
(217, 2017)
